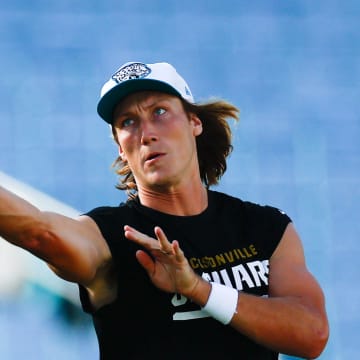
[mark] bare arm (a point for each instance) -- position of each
(291, 321)
(73, 248)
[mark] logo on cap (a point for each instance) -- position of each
(131, 71)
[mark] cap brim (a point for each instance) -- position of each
(108, 102)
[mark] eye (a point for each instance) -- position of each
(160, 111)
(126, 122)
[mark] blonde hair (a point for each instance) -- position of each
(214, 144)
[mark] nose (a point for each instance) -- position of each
(148, 133)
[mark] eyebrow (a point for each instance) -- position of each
(121, 113)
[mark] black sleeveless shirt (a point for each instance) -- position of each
(231, 242)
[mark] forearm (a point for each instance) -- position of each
(285, 324)
(17, 217)
(72, 248)
(42, 233)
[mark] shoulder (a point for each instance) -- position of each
(108, 212)
(265, 223)
(247, 208)
(109, 219)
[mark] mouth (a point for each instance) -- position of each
(153, 157)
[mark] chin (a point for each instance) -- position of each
(160, 182)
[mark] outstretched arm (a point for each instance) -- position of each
(292, 320)
(73, 248)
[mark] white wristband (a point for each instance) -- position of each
(222, 302)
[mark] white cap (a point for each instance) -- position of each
(137, 76)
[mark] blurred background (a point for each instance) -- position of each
(293, 69)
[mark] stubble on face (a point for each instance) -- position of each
(169, 153)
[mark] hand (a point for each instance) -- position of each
(167, 267)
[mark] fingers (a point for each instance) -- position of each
(179, 254)
(165, 246)
(164, 262)
(160, 245)
(140, 238)
(146, 261)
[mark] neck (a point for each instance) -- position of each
(185, 201)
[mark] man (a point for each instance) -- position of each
(179, 270)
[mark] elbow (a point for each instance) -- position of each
(318, 340)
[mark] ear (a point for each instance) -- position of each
(196, 124)
(121, 154)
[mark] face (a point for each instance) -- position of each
(157, 139)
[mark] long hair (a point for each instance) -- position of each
(213, 145)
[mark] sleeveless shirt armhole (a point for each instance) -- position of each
(101, 217)
(278, 221)
(96, 214)
(84, 300)
(270, 223)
